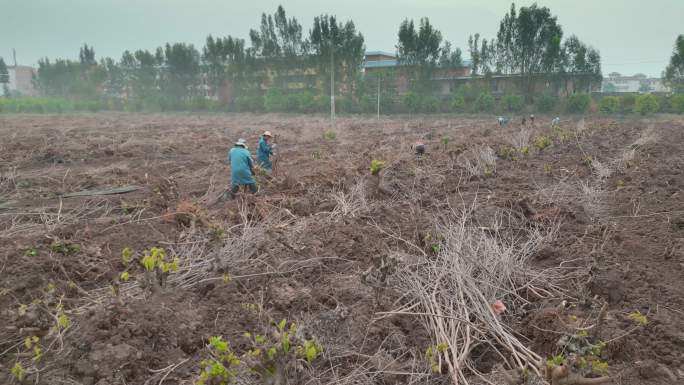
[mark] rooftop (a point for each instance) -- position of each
(379, 53)
(380, 63)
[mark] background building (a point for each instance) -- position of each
(638, 83)
(20, 81)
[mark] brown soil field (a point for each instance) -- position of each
(347, 256)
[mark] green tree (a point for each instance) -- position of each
(512, 103)
(580, 63)
(4, 77)
(474, 50)
(537, 42)
(419, 50)
(578, 103)
(224, 59)
(341, 44)
(678, 103)
(181, 71)
(674, 72)
(141, 71)
(610, 104)
(646, 104)
(449, 58)
(485, 102)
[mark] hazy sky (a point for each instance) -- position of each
(632, 35)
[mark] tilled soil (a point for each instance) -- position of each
(305, 246)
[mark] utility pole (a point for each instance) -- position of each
(379, 79)
(332, 85)
(14, 54)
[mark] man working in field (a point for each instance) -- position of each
(241, 168)
(264, 152)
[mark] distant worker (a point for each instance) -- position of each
(555, 122)
(264, 152)
(532, 119)
(502, 121)
(419, 147)
(241, 168)
(524, 121)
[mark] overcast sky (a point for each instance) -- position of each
(632, 35)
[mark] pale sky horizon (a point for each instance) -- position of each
(633, 36)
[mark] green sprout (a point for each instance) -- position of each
(376, 166)
(555, 361)
(637, 317)
(31, 343)
(126, 256)
(218, 343)
(599, 367)
(64, 248)
(124, 276)
(310, 350)
(63, 321)
(330, 135)
(542, 142)
(18, 372)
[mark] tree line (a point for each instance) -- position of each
(282, 58)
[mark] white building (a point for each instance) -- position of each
(638, 83)
(20, 81)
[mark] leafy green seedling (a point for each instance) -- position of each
(376, 166)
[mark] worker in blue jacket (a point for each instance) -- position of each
(241, 168)
(264, 152)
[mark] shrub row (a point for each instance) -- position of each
(307, 102)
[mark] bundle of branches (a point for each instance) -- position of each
(201, 256)
(460, 292)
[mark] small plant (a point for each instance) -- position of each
(250, 307)
(64, 248)
(432, 355)
(316, 155)
(506, 152)
(158, 268)
(18, 372)
(330, 135)
(547, 169)
(376, 166)
(620, 183)
(31, 343)
(270, 355)
(638, 318)
(445, 142)
(124, 276)
(30, 252)
(309, 351)
(599, 367)
(221, 368)
(542, 142)
(126, 256)
(63, 321)
(555, 361)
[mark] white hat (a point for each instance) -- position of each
(268, 133)
(241, 142)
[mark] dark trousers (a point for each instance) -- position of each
(235, 188)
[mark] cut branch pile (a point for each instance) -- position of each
(456, 292)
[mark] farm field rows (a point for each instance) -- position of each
(578, 230)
